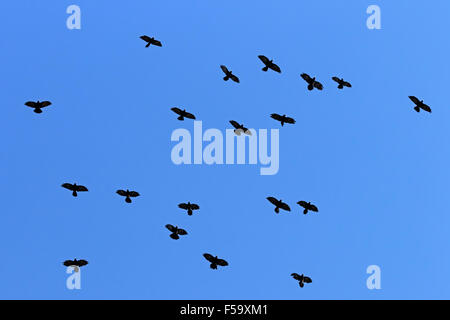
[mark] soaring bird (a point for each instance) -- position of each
(151, 41)
(269, 64)
(279, 204)
(283, 119)
(176, 231)
(215, 261)
(189, 207)
(312, 83)
(419, 104)
(128, 194)
(342, 83)
(182, 114)
(38, 105)
(307, 206)
(301, 279)
(229, 74)
(74, 188)
(239, 128)
(76, 264)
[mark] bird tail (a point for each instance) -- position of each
(341, 86)
(301, 284)
(265, 68)
(38, 110)
(148, 45)
(74, 193)
(226, 78)
(127, 200)
(189, 212)
(310, 87)
(277, 210)
(417, 109)
(213, 266)
(305, 211)
(282, 123)
(181, 118)
(174, 236)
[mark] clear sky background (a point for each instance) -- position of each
(377, 170)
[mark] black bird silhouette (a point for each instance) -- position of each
(239, 128)
(229, 74)
(38, 105)
(189, 207)
(269, 64)
(301, 279)
(151, 41)
(176, 231)
(128, 194)
(279, 204)
(312, 83)
(74, 188)
(76, 264)
(307, 206)
(215, 261)
(182, 114)
(342, 83)
(419, 104)
(283, 119)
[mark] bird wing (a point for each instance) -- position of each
(273, 201)
(182, 232)
(234, 78)
(183, 206)
(303, 204)
(426, 107)
(209, 257)
(276, 116)
(318, 85)
(221, 262)
(307, 279)
(235, 124)
(264, 59)
(414, 99)
(347, 84)
(285, 206)
(122, 193)
(81, 188)
(170, 227)
(336, 79)
(195, 206)
(67, 186)
(177, 110)
(45, 104)
(68, 263)
(82, 263)
(156, 43)
(275, 67)
(224, 69)
(289, 120)
(313, 208)
(306, 77)
(30, 104)
(134, 194)
(145, 38)
(296, 276)
(189, 115)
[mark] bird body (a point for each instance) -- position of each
(38, 105)
(268, 64)
(189, 207)
(128, 194)
(229, 74)
(283, 119)
(419, 104)
(342, 83)
(307, 207)
(215, 261)
(302, 279)
(176, 232)
(151, 41)
(239, 128)
(76, 264)
(279, 204)
(312, 83)
(182, 114)
(74, 188)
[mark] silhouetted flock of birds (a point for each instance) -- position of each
(176, 232)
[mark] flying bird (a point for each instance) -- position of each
(182, 114)
(189, 207)
(76, 264)
(229, 74)
(312, 83)
(342, 83)
(74, 188)
(419, 104)
(307, 206)
(38, 105)
(128, 194)
(283, 119)
(150, 41)
(269, 64)
(279, 204)
(301, 279)
(215, 261)
(239, 128)
(176, 232)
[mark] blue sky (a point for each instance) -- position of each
(376, 169)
